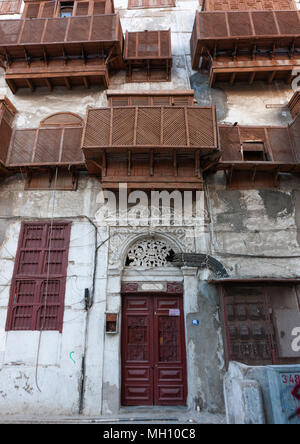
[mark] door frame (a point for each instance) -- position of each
(173, 289)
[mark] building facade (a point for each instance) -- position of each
(149, 201)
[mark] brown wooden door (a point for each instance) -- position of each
(153, 350)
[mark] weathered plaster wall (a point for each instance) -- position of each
(46, 377)
(255, 233)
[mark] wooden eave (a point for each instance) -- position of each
(244, 32)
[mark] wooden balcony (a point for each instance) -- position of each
(56, 143)
(61, 51)
(148, 56)
(254, 156)
(150, 147)
(248, 45)
(294, 104)
(244, 5)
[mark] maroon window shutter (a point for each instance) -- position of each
(38, 284)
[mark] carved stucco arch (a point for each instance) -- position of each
(165, 238)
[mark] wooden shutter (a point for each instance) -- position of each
(10, 7)
(32, 10)
(143, 4)
(38, 284)
(48, 9)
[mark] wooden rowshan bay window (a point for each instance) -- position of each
(10, 7)
(253, 157)
(148, 56)
(258, 318)
(52, 8)
(39, 279)
(244, 5)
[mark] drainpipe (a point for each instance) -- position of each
(88, 299)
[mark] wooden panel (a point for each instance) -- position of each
(137, 354)
(38, 284)
(10, 6)
(234, 5)
(144, 4)
(215, 37)
(280, 144)
(152, 126)
(294, 104)
(147, 45)
(153, 351)
(49, 180)
(250, 322)
(46, 146)
(294, 130)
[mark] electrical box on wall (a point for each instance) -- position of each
(111, 323)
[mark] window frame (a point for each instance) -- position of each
(38, 279)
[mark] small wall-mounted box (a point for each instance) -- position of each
(111, 323)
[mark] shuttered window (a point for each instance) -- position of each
(31, 10)
(10, 7)
(143, 4)
(38, 284)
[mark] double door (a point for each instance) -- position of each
(153, 350)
